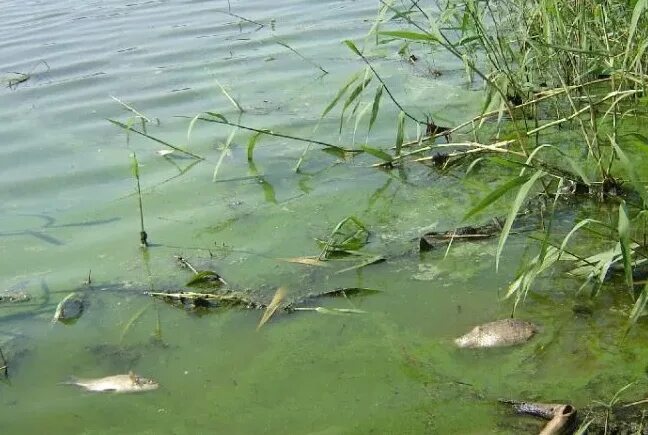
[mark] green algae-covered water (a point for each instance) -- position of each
(67, 206)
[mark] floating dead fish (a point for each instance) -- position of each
(130, 383)
(542, 410)
(69, 309)
(13, 79)
(506, 332)
(562, 417)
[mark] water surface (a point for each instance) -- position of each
(67, 207)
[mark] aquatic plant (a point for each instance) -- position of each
(135, 169)
(564, 88)
(544, 65)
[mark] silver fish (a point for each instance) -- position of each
(506, 332)
(130, 383)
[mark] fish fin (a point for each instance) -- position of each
(133, 377)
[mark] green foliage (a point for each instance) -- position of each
(252, 143)
(350, 234)
(520, 198)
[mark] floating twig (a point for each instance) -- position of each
(235, 298)
(160, 141)
(247, 20)
(323, 310)
(185, 263)
(133, 110)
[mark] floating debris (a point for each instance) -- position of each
(202, 278)
(231, 298)
(350, 234)
(13, 79)
(69, 309)
(14, 298)
(344, 292)
(130, 383)
(278, 297)
(206, 279)
(506, 332)
(245, 299)
(324, 310)
(434, 239)
(308, 261)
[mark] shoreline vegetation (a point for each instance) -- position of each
(564, 87)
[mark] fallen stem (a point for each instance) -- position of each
(271, 133)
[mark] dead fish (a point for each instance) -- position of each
(70, 308)
(130, 383)
(506, 332)
(542, 410)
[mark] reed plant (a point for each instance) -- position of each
(564, 93)
(564, 86)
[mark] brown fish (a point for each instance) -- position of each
(506, 332)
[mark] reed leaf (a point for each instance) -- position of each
(639, 8)
(191, 126)
(359, 117)
(378, 153)
(278, 297)
(160, 141)
(218, 115)
(496, 194)
(629, 168)
(375, 106)
(231, 99)
(356, 92)
(410, 36)
(252, 143)
(340, 93)
(624, 240)
(352, 46)
(224, 152)
(400, 133)
(521, 196)
(576, 227)
(639, 306)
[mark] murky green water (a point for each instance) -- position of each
(67, 206)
